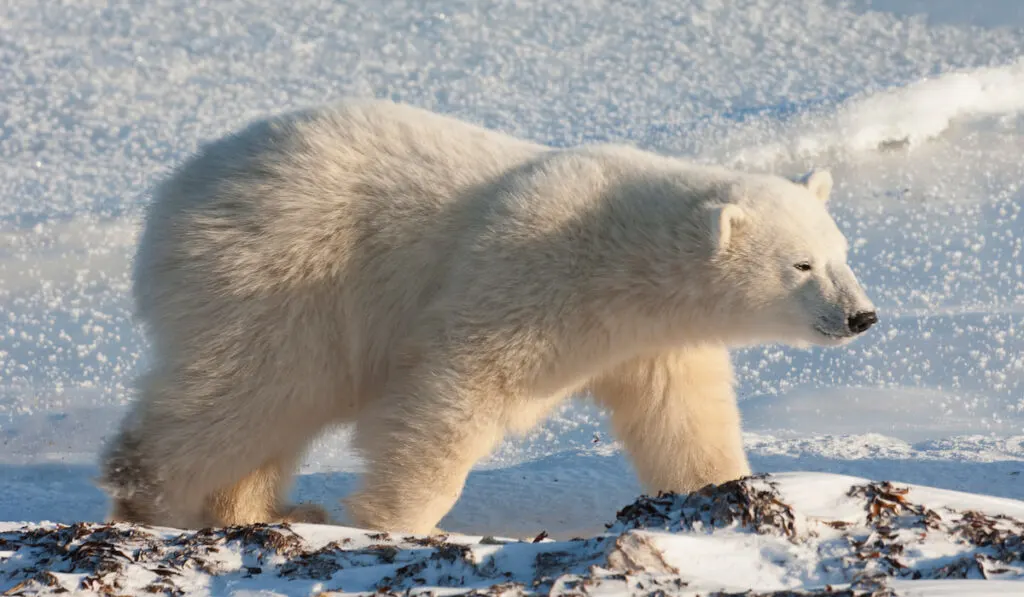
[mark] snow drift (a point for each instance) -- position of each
(898, 118)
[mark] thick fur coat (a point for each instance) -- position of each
(440, 285)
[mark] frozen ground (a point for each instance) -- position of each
(793, 534)
(917, 107)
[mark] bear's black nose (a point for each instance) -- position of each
(862, 321)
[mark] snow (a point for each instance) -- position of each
(793, 532)
(904, 117)
(916, 107)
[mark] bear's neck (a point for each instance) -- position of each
(642, 256)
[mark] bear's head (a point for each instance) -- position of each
(781, 260)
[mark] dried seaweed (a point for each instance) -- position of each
(860, 555)
(751, 503)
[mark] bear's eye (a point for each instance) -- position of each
(804, 266)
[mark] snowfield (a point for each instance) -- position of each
(916, 106)
(784, 535)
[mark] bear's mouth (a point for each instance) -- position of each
(832, 335)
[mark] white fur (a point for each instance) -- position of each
(440, 285)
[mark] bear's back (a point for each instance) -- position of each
(330, 223)
(313, 193)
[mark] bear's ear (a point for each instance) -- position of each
(724, 221)
(819, 182)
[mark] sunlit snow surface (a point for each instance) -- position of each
(919, 116)
(807, 534)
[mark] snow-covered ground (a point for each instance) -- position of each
(916, 106)
(818, 534)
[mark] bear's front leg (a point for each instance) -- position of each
(676, 414)
(420, 442)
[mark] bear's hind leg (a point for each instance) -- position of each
(676, 414)
(189, 459)
(419, 453)
(129, 473)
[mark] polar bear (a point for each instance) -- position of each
(441, 285)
